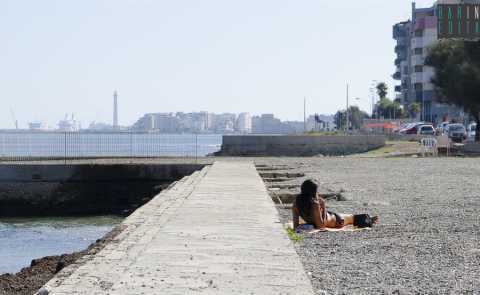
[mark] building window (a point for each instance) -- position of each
(418, 69)
(450, 27)
(418, 33)
(459, 27)
(440, 12)
(459, 12)
(477, 27)
(418, 51)
(468, 27)
(418, 86)
(449, 12)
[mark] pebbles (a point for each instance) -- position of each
(428, 237)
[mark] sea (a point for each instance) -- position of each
(25, 239)
(107, 144)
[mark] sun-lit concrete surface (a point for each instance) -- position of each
(215, 232)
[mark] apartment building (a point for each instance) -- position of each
(414, 38)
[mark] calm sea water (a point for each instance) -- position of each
(74, 144)
(24, 239)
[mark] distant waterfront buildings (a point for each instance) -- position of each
(324, 123)
(414, 37)
(198, 122)
(268, 124)
(226, 123)
(69, 124)
(244, 123)
(97, 126)
(38, 126)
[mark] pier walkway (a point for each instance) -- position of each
(214, 232)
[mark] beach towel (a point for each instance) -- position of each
(310, 229)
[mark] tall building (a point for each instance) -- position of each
(115, 110)
(268, 124)
(401, 33)
(244, 123)
(414, 37)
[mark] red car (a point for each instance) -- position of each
(411, 128)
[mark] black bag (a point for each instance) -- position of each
(362, 220)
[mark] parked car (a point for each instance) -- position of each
(471, 131)
(412, 128)
(426, 130)
(457, 132)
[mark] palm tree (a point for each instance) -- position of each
(414, 109)
(382, 90)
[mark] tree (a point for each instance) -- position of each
(389, 109)
(340, 119)
(414, 109)
(355, 117)
(457, 75)
(382, 90)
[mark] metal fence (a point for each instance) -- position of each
(19, 146)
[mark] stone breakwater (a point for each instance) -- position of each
(294, 146)
(65, 190)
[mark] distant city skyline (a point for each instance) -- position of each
(181, 56)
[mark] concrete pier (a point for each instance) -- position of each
(214, 232)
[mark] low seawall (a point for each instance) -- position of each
(53, 190)
(471, 148)
(280, 145)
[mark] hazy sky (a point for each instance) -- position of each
(257, 56)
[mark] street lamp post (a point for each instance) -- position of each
(348, 123)
(372, 90)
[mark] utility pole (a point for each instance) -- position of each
(374, 85)
(304, 115)
(372, 94)
(348, 123)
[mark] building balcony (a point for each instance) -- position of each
(418, 78)
(397, 76)
(400, 48)
(418, 60)
(398, 88)
(417, 42)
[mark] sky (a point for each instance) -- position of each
(66, 56)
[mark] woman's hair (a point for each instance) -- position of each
(309, 188)
(307, 195)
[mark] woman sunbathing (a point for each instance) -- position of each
(311, 208)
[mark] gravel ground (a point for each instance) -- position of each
(428, 240)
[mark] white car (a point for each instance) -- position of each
(426, 130)
(471, 131)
